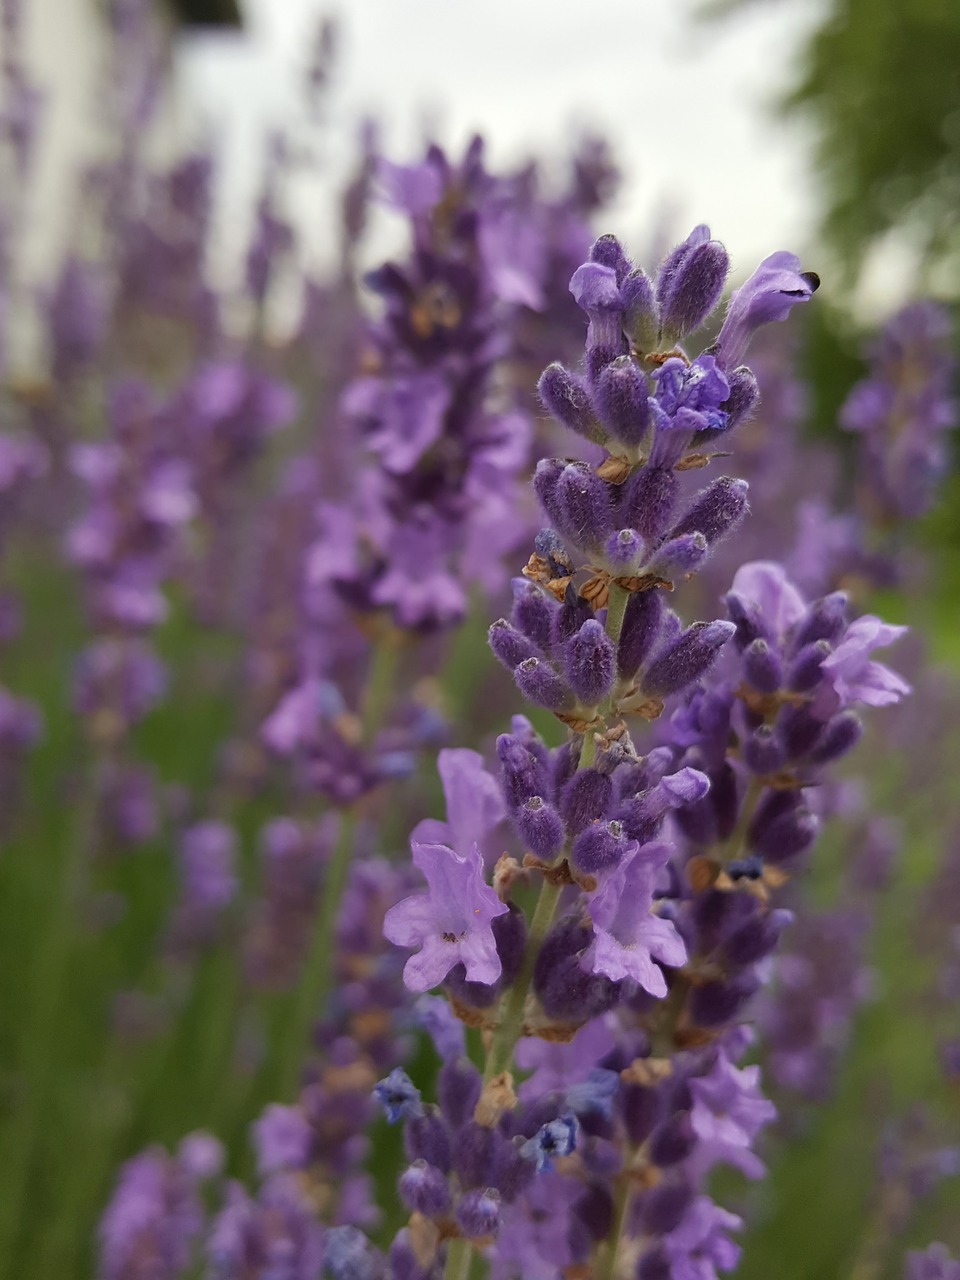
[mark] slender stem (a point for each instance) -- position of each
(52, 977)
(510, 1028)
(459, 1260)
(380, 683)
(315, 981)
(616, 608)
(607, 1268)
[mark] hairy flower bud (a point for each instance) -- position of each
(538, 681)
(622, 399)
(565, 395)
(640, 631)
(716, 510)
(641, 320)
(540, 828)
(533, 612)
(586, 509)
(693, 289)
(423, 1189)
(762, 667)
(647, 501)
(686, 659)
(590, 662)
(510, 647)
(601, 847)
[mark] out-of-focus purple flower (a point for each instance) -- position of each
(854, 677)
(208, 880)
(277, 1232)
(628, 937)
(282, 1138)
(728, 1113)
(933, 1263)
(451, 924)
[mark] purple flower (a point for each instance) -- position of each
(452, 924)
(764, 588)
(934, 1263)
(728, 1113)
(282, 1138)
(700, 1246)
(474, 803)
(852, 674)
(773, 290)
(628, 937)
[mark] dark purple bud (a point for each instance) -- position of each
(475, 1154)
(787, 837)
(762, 666)
(716, 510)
(642, 1108)
(586, 508)
(538, 681)
(609, 252)
(570, 617)
(523, 775)
(590, 663)
(640, 631)
(601, 847)
(688, 658)
(546, 480)
(647, 501)
(423, 1189)
(693, 290)
(743, 398)
(594, 1210)
(725, 799)
(624, 549)
(513, 1174)
(586, 798)
(402, 1261)
(670, 266)
(804, 672)
(427, 1138)
(540, 828)
(662, 1209)
(755, 938)
(533, 612)
(564, 763)
(641, 320)
(565, 396)
(549, 544)
(799, 730)
(510, 647)
(714, 1004)
(566, 991)
(458, 1091)
(762, 752)
(826, 619)
(478, 1213)
(622, 400)
(745, 615)
(679, 556)
(655, 1265)
(672, 1140)
(841, 735)
(713, 911)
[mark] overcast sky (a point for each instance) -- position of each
(683, 104)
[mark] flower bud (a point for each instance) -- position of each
(693, 289)
(762, 751)
(804, 672)
(540, 828)
(640, 631)
(538, 682)
(586, 509)
(609, 252)
(423, 1189)
(600, 848)
(799, 730)
(762, 667)
(478, 1213)
(647, 501)
(427, 1138)
(679, 556)
(523, 775)
(672, 1140)
(663, 1207)
(624, 550)
(743, 398)
(510, 647)
(641, 320)
(566, 397)
(782, 837)
(622, 400)
(590, 662)
(532, 612)
(546, 479)
(714, 1004)
(841, 735)
(458, 1091)
(686, 659)
(716, 510)
(824, 620)
(586, 798)
(755, 938)
(570, 617)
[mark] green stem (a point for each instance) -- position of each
(51, 978)
(510, 1028)
(380, 684)
(459, 1260)
(607, 1267)
(314, 985)
(616, 608)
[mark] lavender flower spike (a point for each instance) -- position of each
(451, 924)
(772, 291)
